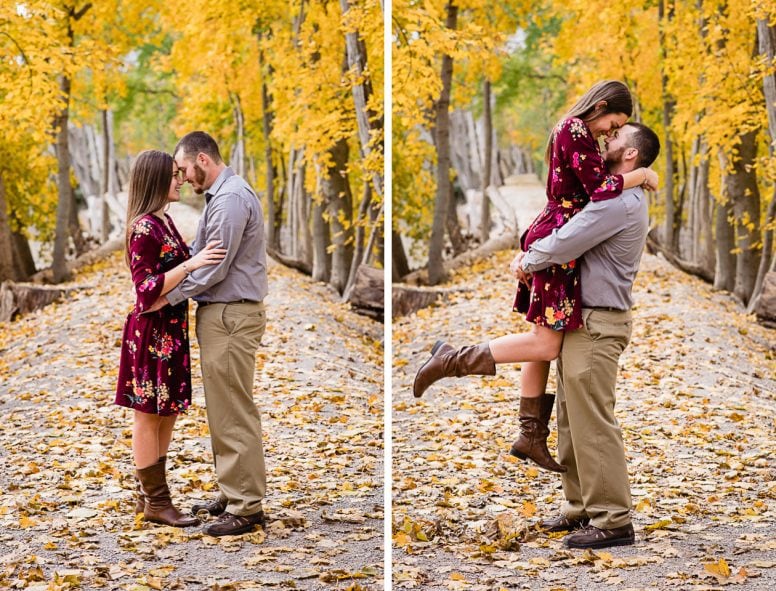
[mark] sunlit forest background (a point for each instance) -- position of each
(478, 87)
(291, 90)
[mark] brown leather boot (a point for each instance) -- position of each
(548, 403)
(158, 504)
(448, 362)
(139, 496)
(532, 442)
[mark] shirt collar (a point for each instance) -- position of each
(220, 180)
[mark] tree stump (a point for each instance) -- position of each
(766, 306)
(22, 298)
(367, 295)
(406, 299)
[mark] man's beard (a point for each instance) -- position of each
(199, 178)
(613, 157)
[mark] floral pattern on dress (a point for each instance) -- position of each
(578, 175)
(155, 370)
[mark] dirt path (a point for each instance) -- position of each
(697, 404)
(67, 478)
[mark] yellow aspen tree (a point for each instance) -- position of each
(441, 49)
(29, 61)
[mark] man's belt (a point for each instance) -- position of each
(242, 301)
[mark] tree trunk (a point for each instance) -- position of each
(454, 227)
(360, 251)
(766, 37)
(486, 168)
(400, 266)
(292, 191)
(375, 246)
(110, 186)
(64, 190)
(22, 256)
(66, 213)
(321, 257)
(267, 120)
(442, 140)
(237, 157)
(668, 146)
(303, 206)
(8, 270)
(703, 215)
(336, 187)
(743, 190)
(725, 271)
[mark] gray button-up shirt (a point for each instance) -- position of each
(232, 215)
(611, 235)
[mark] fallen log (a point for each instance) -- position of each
(287, 261)
(406, 299)
(88, 258)
(368, 294)
(506, 241)
(22, 298)
(654, 246)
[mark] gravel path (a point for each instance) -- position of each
(67, 476)
(697, 404)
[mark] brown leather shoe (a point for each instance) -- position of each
(532, 443)
(563, 523)
(158, 504)
(448, 362)
(233, 525)
(593, 537)
(214, 507)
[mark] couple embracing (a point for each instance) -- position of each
(225, 273)
(575, 274)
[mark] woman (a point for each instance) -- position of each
(155, 372)
(577, 174)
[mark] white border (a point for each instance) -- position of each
(387, 266)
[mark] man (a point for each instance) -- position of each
(611, 234)
(230, 324)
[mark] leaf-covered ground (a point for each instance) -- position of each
(66, 517)
(696, 401)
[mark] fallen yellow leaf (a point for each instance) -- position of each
(718, 569)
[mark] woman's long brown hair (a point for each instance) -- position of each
(149, 186)
(618, 100)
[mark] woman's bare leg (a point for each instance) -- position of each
(533, 378)
(541, 344)
(145, 439)
(166, 426)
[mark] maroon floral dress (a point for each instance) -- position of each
(155, 369)
(577, 174)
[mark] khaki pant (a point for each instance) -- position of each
(589, 438)
(229, 335)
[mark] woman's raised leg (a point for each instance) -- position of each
(541, 344)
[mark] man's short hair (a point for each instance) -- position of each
(198, 141)
(645, 141)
